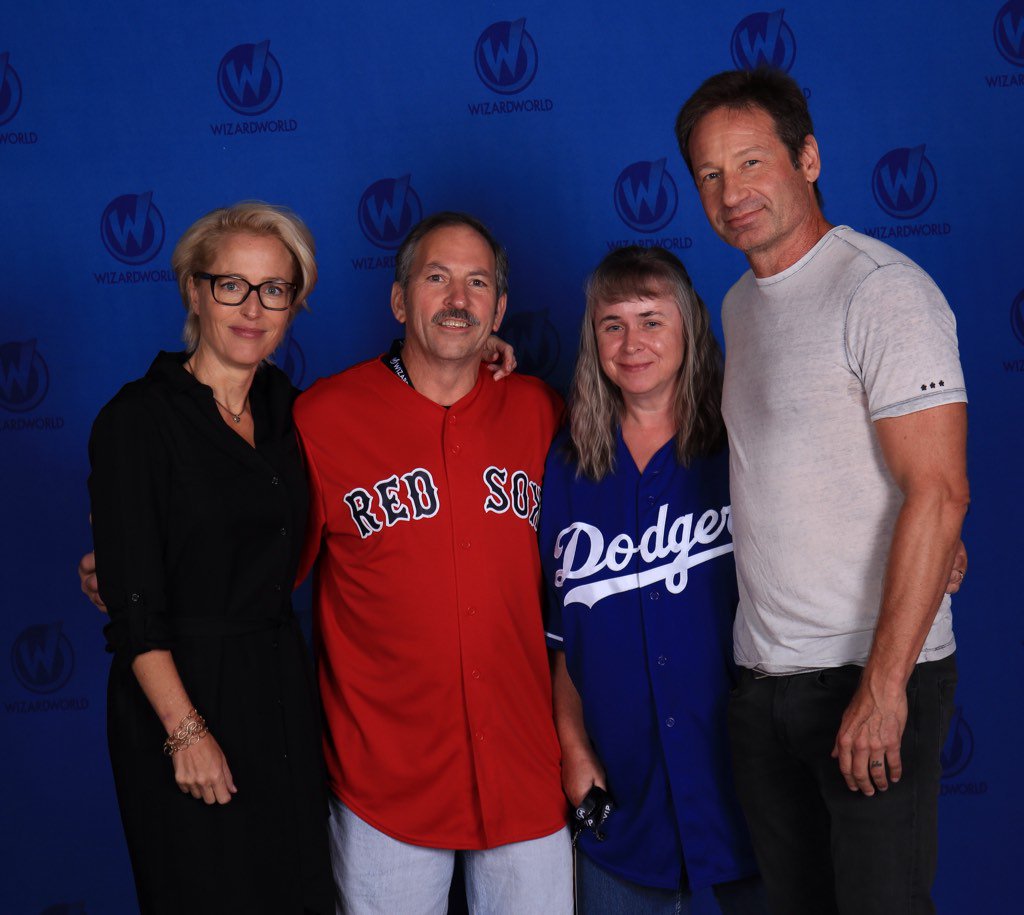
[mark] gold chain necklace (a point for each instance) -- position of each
(235, 417)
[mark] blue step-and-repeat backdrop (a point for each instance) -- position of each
(121, 123)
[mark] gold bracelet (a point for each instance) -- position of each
(190, 730)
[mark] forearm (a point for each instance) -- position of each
(926, 455)
(572, 732)
(159, 679)
(200, 768)
(925, 540)
(581, 767)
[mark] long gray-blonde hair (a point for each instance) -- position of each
(596, 405)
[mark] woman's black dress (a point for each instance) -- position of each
(197, 542)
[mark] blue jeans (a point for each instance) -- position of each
(378, 875)
(821, 848)
(600, 893)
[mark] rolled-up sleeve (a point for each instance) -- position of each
(128, 489)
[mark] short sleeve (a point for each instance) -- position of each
(553, 631)
(547, 531)
(129, 489)
(901, 342)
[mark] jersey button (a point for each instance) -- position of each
(670, 722)
(470, 611)
(465, 544)
(284, 532)
(655, 595)
(479, 735)
(476, 674)
(451, 419)
(274, 481)
(456, 449)
(662, 660)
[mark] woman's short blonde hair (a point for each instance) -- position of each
(197, 249)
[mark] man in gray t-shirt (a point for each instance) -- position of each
(845, 406)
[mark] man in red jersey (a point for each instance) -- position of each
(425, 494)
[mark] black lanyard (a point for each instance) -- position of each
(393, 360)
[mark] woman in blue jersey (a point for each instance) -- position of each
(636, 543)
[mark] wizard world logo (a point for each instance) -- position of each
(132, 228)
(42, 658)
(24, 378)
(763, 40)
(1008, 32)
(506, 57)
(10, 90)
(249, 78)
(1017, 317)
(904, 182)
(645, 196)
(388, 209)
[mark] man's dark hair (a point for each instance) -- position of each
(766, 88)
(407, 252)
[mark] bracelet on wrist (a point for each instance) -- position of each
(191, 729)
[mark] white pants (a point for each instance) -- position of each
(378, 875)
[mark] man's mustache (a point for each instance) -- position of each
(457, 314)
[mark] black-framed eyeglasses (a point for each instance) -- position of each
(233, 290)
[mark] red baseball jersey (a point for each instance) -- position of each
(433, 668)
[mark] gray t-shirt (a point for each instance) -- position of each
(852, 332)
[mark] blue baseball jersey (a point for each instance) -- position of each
(642, 592)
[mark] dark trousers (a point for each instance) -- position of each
(821, 847)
